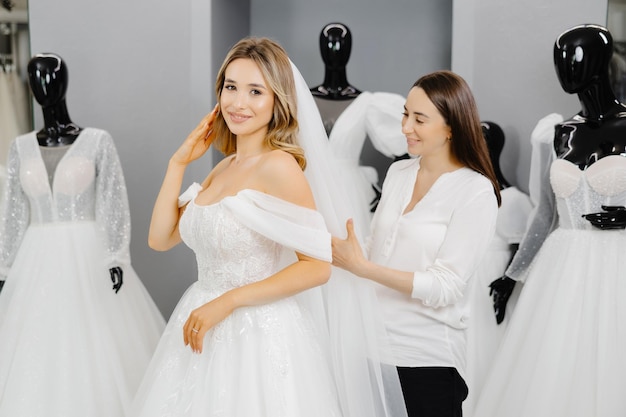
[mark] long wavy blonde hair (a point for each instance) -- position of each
(275, 66)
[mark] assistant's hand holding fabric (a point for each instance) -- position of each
(347, 253)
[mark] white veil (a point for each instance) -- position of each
(366, 386)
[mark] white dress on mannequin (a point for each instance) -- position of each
(563, 352)
(483, 333)
(71, 346)
(377, 116)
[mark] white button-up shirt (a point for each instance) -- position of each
(441, 241)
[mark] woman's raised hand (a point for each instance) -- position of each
(198, 141)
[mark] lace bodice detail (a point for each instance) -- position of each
(581, 192)
(229, 254)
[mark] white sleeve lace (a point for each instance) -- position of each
(543, 217)
(15, 215)
(112, 210)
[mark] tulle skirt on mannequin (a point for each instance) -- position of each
(562, 354)
(71, 346)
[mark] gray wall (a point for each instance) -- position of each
(393, 42)
(504, 51)
(144, 71)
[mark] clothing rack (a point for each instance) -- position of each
(14, 16)
(8, 57)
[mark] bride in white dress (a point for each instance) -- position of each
(252, 337)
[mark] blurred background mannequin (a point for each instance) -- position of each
(483, 333)
(64, 242)
(363, 128)
(563, 352)
(335, 93)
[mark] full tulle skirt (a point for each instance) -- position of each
(563, 352)
(259, 361)
(69, 345)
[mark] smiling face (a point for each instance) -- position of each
(426, 130)
(246, 100)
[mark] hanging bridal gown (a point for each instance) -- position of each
(264, 360)
(563, 352)
(484, 333)
(69, 345)
(373, 115)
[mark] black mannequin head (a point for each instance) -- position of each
(494, 136)
(581, 56)
(48, 77)
(335, 45)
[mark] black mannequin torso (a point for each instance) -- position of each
(582, 56)
(48, 78)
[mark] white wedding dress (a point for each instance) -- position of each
(563, 352)
(69, 345)
(310, 355)
(263, 360)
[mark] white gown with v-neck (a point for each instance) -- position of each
(69, 345)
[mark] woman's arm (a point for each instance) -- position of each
(302, 275)
(443, 282)
(163, 234)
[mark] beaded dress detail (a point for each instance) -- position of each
(70, 346)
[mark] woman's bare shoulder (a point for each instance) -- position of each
(281, 176)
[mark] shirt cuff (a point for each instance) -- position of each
(422, 286)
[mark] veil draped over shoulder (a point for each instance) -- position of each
(346, 307)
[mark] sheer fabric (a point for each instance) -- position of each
(367, 386)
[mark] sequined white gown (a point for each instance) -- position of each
(69, 345)
(563, 354)
(259, 361)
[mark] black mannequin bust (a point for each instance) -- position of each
(582, 57)
(335, 47)
(48, 80)
(335, 94)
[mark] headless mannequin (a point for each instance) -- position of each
(48, 78)
(581, 58)
(335, 93)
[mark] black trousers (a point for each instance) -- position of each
(432, 391)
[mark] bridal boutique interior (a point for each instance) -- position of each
(144, 71)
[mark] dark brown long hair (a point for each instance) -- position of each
(455, 102)
(275, 66)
